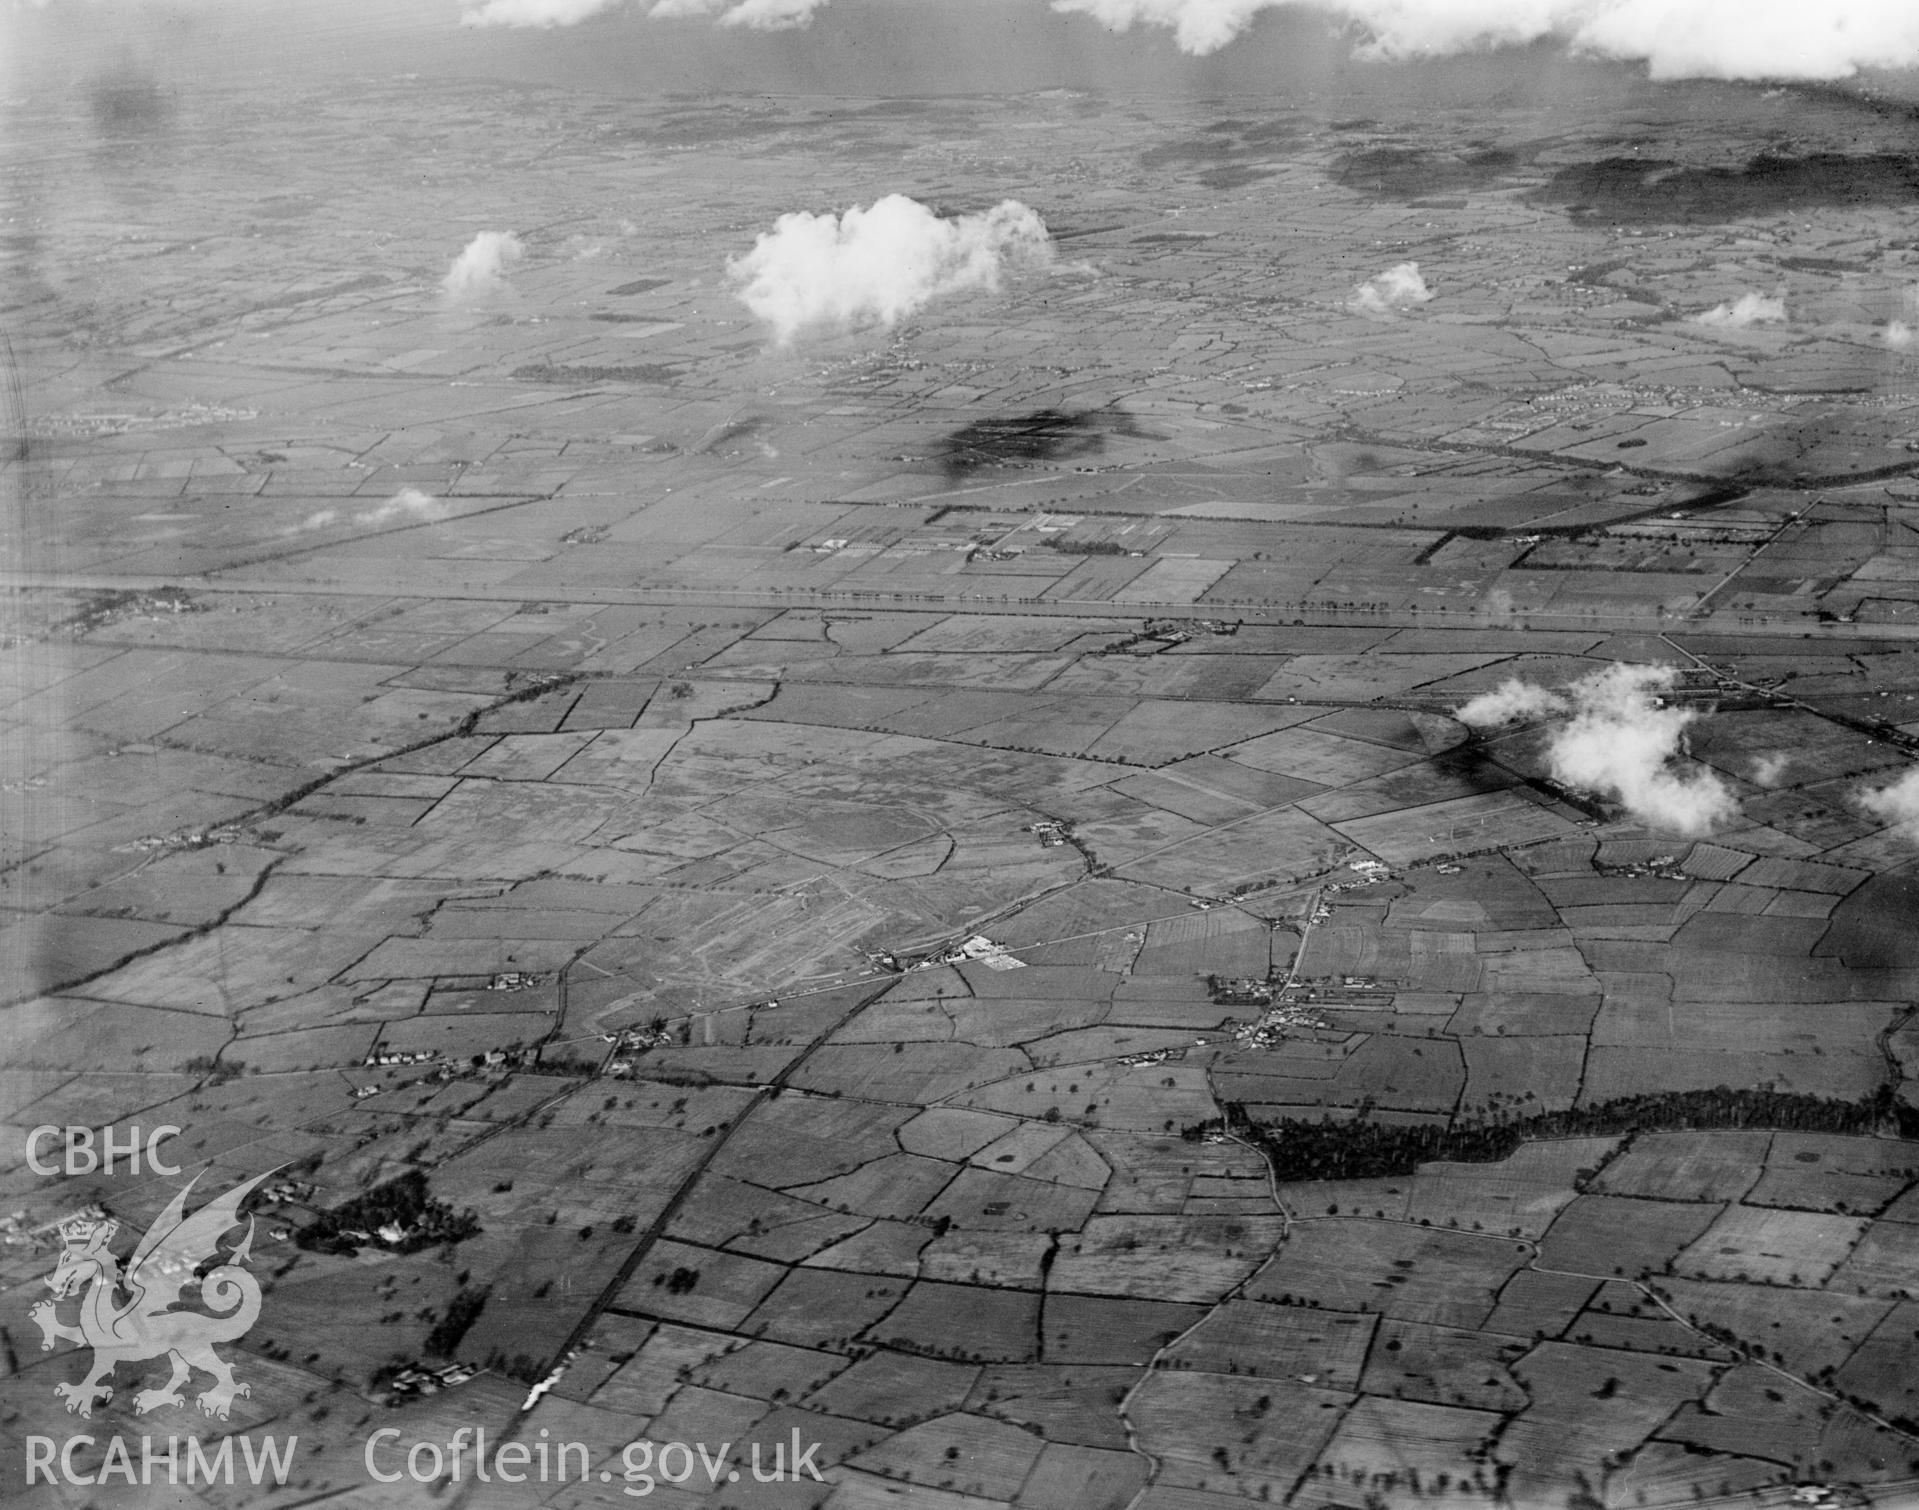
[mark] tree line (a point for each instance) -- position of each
(1362, 1149)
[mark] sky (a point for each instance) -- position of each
(1462, 48)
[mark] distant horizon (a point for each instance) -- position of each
(855, 49)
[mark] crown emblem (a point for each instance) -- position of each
(84, 1232)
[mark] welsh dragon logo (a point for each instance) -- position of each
(128, 1316)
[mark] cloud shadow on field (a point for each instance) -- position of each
(1042, 435)
(127, 106)
(1637, 190)
(1408, 173)
(1229, 154)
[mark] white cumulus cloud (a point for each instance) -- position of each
(1199, 26)
(1747, 309)
(1723, 39)
(532, 12)
(480, 270)
(759, 15)
(1614, 738)
(880, 264)
(1399, 287)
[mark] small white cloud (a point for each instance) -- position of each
(480, 270)
(1512, 701)
(1397, 288)
(1900, 336)
(409, 505)
(1747, 309)
(1767, 769)
(1499, 606)
(1897, 804)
